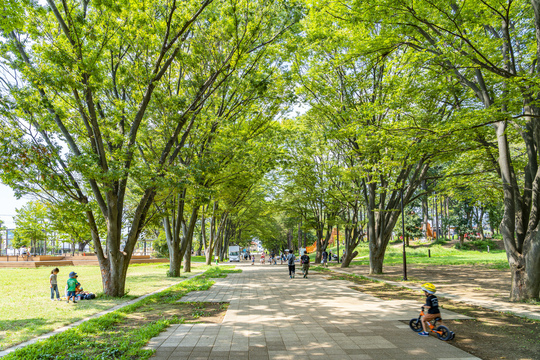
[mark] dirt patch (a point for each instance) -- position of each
(491, 335)
(191, 312)
(478, 282)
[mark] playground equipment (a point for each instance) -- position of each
(313, 248)
(429, 232)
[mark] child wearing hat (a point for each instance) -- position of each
(72, 286)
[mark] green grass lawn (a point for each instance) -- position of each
(123, 333)
(439, 256)
(198, 259)
(27, 311)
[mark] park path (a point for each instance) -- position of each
(273, 317)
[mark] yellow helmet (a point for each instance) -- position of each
(429, 287)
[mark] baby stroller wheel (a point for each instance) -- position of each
(443, 333)
(415, 325)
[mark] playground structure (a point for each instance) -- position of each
(333, 237)
(429, 232)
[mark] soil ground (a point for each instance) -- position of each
(492, 335)
(479, 282)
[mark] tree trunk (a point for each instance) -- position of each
(187, 257)
(82, 245)
(173, 244)
(200, 249)
(346, 260)
(289, 239)
(376, 259)
(299, 236)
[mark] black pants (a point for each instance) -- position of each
(291, 270)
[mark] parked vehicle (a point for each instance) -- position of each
(234, 253)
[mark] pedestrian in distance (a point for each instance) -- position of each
(330, 256)
(53, 281)
(290, 261)
(72, 286)
(217, 259)
(325, 258)
(304, 260)
(252, 259)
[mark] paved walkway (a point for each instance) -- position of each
(273, 317)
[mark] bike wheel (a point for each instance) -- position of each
(415, 325)
(443, 333)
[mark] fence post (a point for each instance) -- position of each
(429, 252)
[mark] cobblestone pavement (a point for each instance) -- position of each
(273, 317)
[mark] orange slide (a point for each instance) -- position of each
(429, 232)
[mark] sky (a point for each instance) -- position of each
(8, 204)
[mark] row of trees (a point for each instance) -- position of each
(163, 115)
(405, 93)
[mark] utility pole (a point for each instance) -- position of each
(403, 232)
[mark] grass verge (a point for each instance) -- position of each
(122, 334)
(26, 310)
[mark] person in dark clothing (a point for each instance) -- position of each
(304, 260)
(290, 262)
(431, 305)
(325, 258)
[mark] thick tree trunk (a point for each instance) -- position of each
(376, 259)
(346, 260)
(82, 245)
(175, 261)
(173, 244)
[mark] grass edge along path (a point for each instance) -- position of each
(67, 341)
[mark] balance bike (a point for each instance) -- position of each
(442, 332)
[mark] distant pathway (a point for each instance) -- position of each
(273, 317)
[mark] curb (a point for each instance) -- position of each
(486, 304)
(79, 322)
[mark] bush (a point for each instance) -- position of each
(480, 245)
(160, 246)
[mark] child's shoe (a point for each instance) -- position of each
(423, 333)
(76, 302)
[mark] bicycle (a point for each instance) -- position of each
(442, 332)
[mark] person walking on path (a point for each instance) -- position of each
(290, 262)
(54, 284)
(325, 258)
(304, 260)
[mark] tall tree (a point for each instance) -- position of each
(87, 81)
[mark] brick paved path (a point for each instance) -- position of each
(273, 317)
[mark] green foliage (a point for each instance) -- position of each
(31, 225)
(481, 245)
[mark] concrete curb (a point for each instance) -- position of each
(77, 323)
(487, 304)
